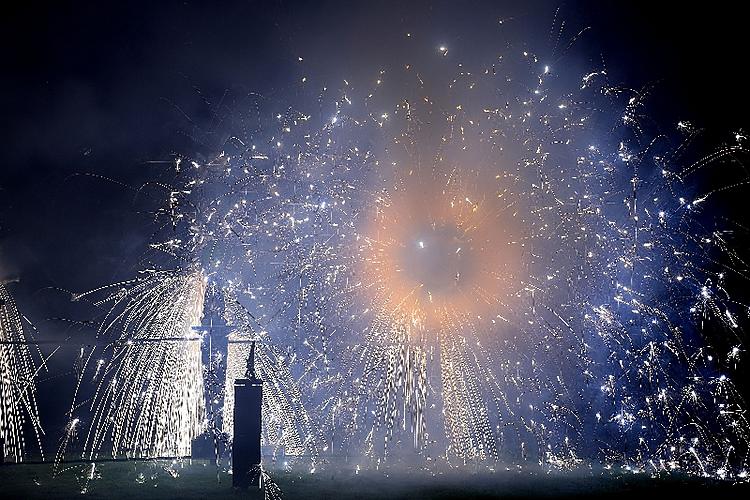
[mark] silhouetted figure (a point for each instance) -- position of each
(248, 398)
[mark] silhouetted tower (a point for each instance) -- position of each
(248, 398)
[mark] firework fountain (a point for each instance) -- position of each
(18, 406)
(149, 381)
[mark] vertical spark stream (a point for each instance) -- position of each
(149, 399)
(18, 406)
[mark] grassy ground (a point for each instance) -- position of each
(199, 479)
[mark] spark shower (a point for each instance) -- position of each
(495, 263)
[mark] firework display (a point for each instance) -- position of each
(497, 263)
(18, 400)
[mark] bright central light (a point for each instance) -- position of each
(436, 254)
(438, 264)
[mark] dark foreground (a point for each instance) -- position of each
(200, 479)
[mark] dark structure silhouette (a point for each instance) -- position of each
(248, 397)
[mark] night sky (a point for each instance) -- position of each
(94, 93)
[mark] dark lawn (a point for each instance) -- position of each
(199, 479)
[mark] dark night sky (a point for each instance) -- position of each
(102, 88)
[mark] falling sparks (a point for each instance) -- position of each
(18, 400)
(149, 399)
